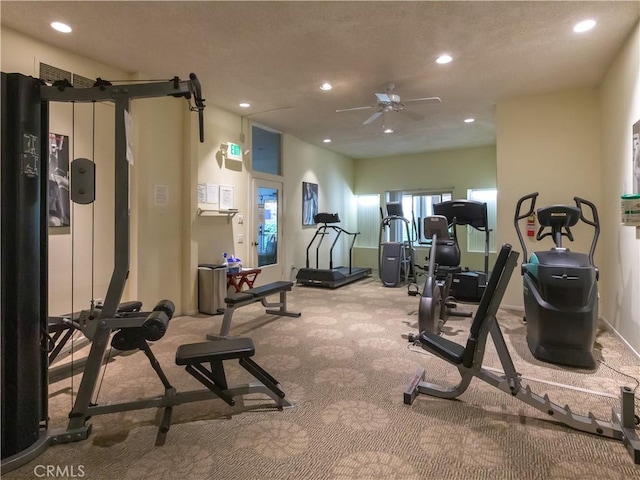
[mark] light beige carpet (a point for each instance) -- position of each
(345, 366)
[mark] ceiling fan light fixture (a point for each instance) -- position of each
(584, 26)
(326, 86)
(444, 58)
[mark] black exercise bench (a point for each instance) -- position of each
(253, 295)
(194, 356)
(469, 361)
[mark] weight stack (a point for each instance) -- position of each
(23, 296)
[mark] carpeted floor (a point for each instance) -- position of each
(345, 366)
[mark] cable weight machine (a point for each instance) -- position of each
(24, 312)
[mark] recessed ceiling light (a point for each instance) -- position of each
(327, 140)
(244, 105)
(584, 26)
(444, 58)
(469, 120)
(326, 86)
(61, 27)
(388, 130)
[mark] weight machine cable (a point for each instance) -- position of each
(72, 149)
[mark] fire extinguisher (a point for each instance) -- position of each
(531, 225)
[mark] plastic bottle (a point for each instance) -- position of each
(225, 261)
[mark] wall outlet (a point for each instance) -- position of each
(240, 219)
(240, 238)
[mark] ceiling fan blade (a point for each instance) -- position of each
(383, 97)
(354, 108)
(411, 115)
(425, 99)
(372, 118)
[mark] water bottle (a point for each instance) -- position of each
(225, 261)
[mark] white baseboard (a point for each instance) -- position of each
(633, 350)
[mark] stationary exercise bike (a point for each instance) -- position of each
(436, 304)
(560, 286)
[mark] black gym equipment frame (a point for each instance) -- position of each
(25, 105)
(468, 285)
(469, 362)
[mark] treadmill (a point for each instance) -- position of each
(331, 277)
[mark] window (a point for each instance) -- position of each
(475, 238)
(415, 207)
(266, 151)
(368, 211)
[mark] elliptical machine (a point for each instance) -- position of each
(436, 305)
(396, 259)
(560, 286)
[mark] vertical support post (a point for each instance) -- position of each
(77, 417)
(24, 281)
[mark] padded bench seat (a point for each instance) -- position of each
(443, 347)
(256, 294)
(204, 361)
(216, 350)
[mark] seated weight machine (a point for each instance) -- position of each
(468, 359)
(25, 336)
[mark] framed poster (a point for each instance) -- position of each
(309, 203)
(58, 181)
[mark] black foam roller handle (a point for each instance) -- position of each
(155, 326)
(166, 306)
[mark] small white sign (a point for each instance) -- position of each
(226, 197)
(202, 193)
(212, 193)
(161, 195)
(128, 130)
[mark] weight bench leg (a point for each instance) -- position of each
(203, 376)
(257, 371)
(226, 324)
(282, 306)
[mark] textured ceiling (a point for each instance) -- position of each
(276, 54)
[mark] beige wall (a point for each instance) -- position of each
(550, 144)
(207, 237)
(459, 169)
(620, 245)
(334, 175)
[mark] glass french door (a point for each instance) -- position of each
(267, 235)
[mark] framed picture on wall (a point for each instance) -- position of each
(635, 141)
(309, 203)
(58, 181)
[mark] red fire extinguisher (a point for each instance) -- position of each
(531, 225)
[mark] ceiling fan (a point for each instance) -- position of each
(391, 102)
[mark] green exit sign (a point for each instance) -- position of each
(234, 151)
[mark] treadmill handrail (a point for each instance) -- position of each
(322, 231)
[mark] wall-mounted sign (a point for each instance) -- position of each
(234, 151)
